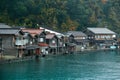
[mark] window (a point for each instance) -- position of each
(98, 36)
(41, 40)
(31, 42)
(103, 36)
(83, 38)
(107, 37)
(114, 36)
(53, 41)
(19, 40)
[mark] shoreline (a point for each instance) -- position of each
(14, 60)
(28, 58)
(92, 50)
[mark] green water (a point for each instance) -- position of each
(98, 65)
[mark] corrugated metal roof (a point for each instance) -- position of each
(76, 33)
(101, 31)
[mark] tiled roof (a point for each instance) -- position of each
(101, 31)
(2, 25)
(9, 31)
(50, 36)
(76, 33)
(33, 32)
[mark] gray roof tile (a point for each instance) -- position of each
(101, 31)
(76, 33)
(9, 31)
(2, 25)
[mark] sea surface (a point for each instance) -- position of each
(93, 65)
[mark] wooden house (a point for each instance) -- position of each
(79, 38)
(52, 41)
(1, 49)
(60, 36)
(37, 42)
(42, 42)
(61, 44)
(35, 33)
(70, 46)
(9, 37)
(27, 40)
(101, 36)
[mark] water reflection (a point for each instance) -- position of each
(95, 65)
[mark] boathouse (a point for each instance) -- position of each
(70, 46)
(38, 37)
(101, 37)
(27, 39)
(79, 38)
(52, 41)
(60, 36)
(9, 37)
(61, 44)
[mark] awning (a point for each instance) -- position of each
(105, 41)
(43, 45)
(81, 40)
(71, 44)
(31, 47)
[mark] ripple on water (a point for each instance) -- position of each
(91, 66)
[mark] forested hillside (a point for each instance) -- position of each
(61, 15)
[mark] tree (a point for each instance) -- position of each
(62, 14)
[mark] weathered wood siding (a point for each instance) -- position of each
(8, 44)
